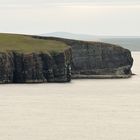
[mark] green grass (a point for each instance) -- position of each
(28, 44)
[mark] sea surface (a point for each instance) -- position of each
(131, 43)
(107, 109)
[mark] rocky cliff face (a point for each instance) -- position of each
(6, 67)
(98, 60)
(87, 60)
(16, 67)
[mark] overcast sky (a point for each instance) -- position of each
(97, 17)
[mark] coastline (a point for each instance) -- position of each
(101, 76)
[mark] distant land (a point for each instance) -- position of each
(130, 42)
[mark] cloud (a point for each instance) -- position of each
(58, 3)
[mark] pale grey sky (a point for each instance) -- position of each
(97, 17)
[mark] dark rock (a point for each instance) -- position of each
(100, 59)
(28, 68)
(17, 67)
(6, 68)
(56, 68)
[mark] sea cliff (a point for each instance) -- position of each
(98, 59)
(37, 59)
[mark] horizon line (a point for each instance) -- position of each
(98, 35)
(74, 4)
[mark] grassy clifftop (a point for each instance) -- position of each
(28, 44)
